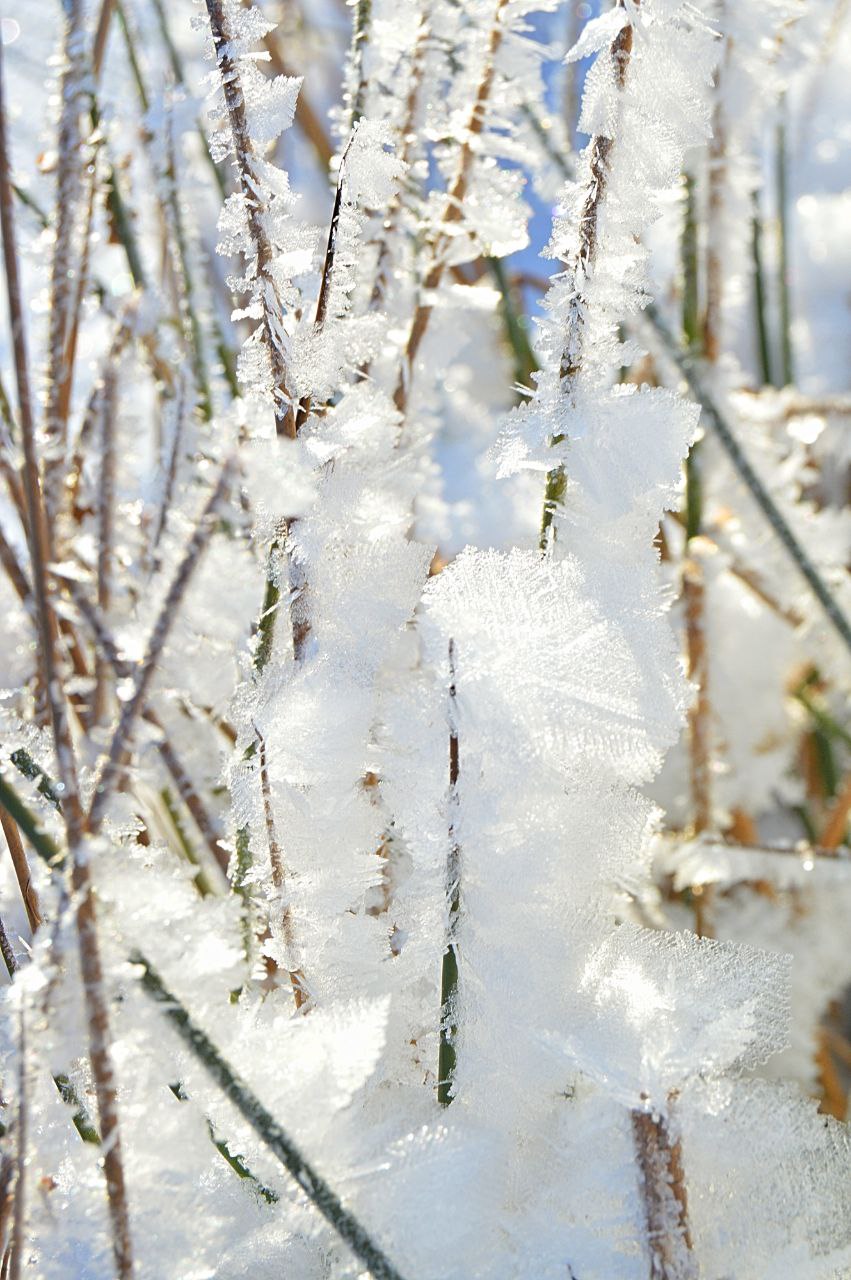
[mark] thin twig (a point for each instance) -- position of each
(111, 768)
(713, 416)
(581, 268)
(251, 184)
(68, 189)
(453, 210)
(22, 868)
(86, 917)
(19, 1216)
(447, 1055)
(105, 524)
(186, 789)
(265, 1126)
(297, 980)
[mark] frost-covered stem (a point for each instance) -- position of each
(7, 951)
(699, 715)
(663, 1189)
(713, 416)
(582, 268)
(105, 526)
(266, 1127)
(783, 282)
(360, 40)
(187, 299)
(94, 408)
(188, 793)
(382, 266)
(255, 212)
(22, 868)
(171, 469)
(453, 209)
(449, 967)
(693, 590)
(196, 546)
(303, 410)
(19, 1216)
(79, 294)
(716, 182)
(100, 1056)
(64, 265)
(300, 992)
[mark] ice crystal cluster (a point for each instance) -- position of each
(425, 767)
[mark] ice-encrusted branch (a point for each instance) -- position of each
(254, 181)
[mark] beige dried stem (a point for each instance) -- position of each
(86, 914)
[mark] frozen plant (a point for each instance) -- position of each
(399, 874)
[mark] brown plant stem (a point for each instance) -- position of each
(19, 1215)
(110, 770)
(65, 249)
(297, 979)
(447, 1053)
(581, 268)
(663, 1189)
(105, 526)
(86, 919)
(186, 789)
(22, 868)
